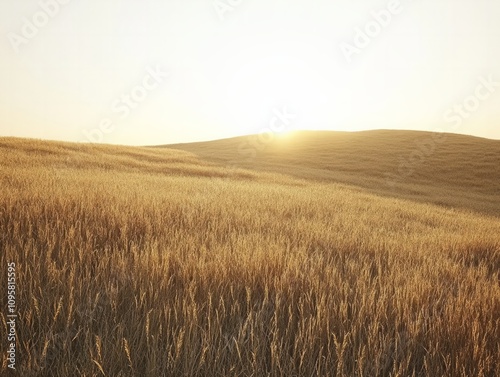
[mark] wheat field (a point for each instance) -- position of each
(161, 262)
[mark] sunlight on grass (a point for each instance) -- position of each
(153, 262)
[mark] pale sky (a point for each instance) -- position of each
(168, 71)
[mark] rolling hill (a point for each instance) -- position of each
(447, 169)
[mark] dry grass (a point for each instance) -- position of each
(151, 262)
(450, 170)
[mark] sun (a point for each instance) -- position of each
(285, 134)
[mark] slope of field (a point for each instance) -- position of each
(156, 262)
(447, 169)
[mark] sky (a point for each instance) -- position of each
(169, 71)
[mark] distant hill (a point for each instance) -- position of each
(446, 169)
